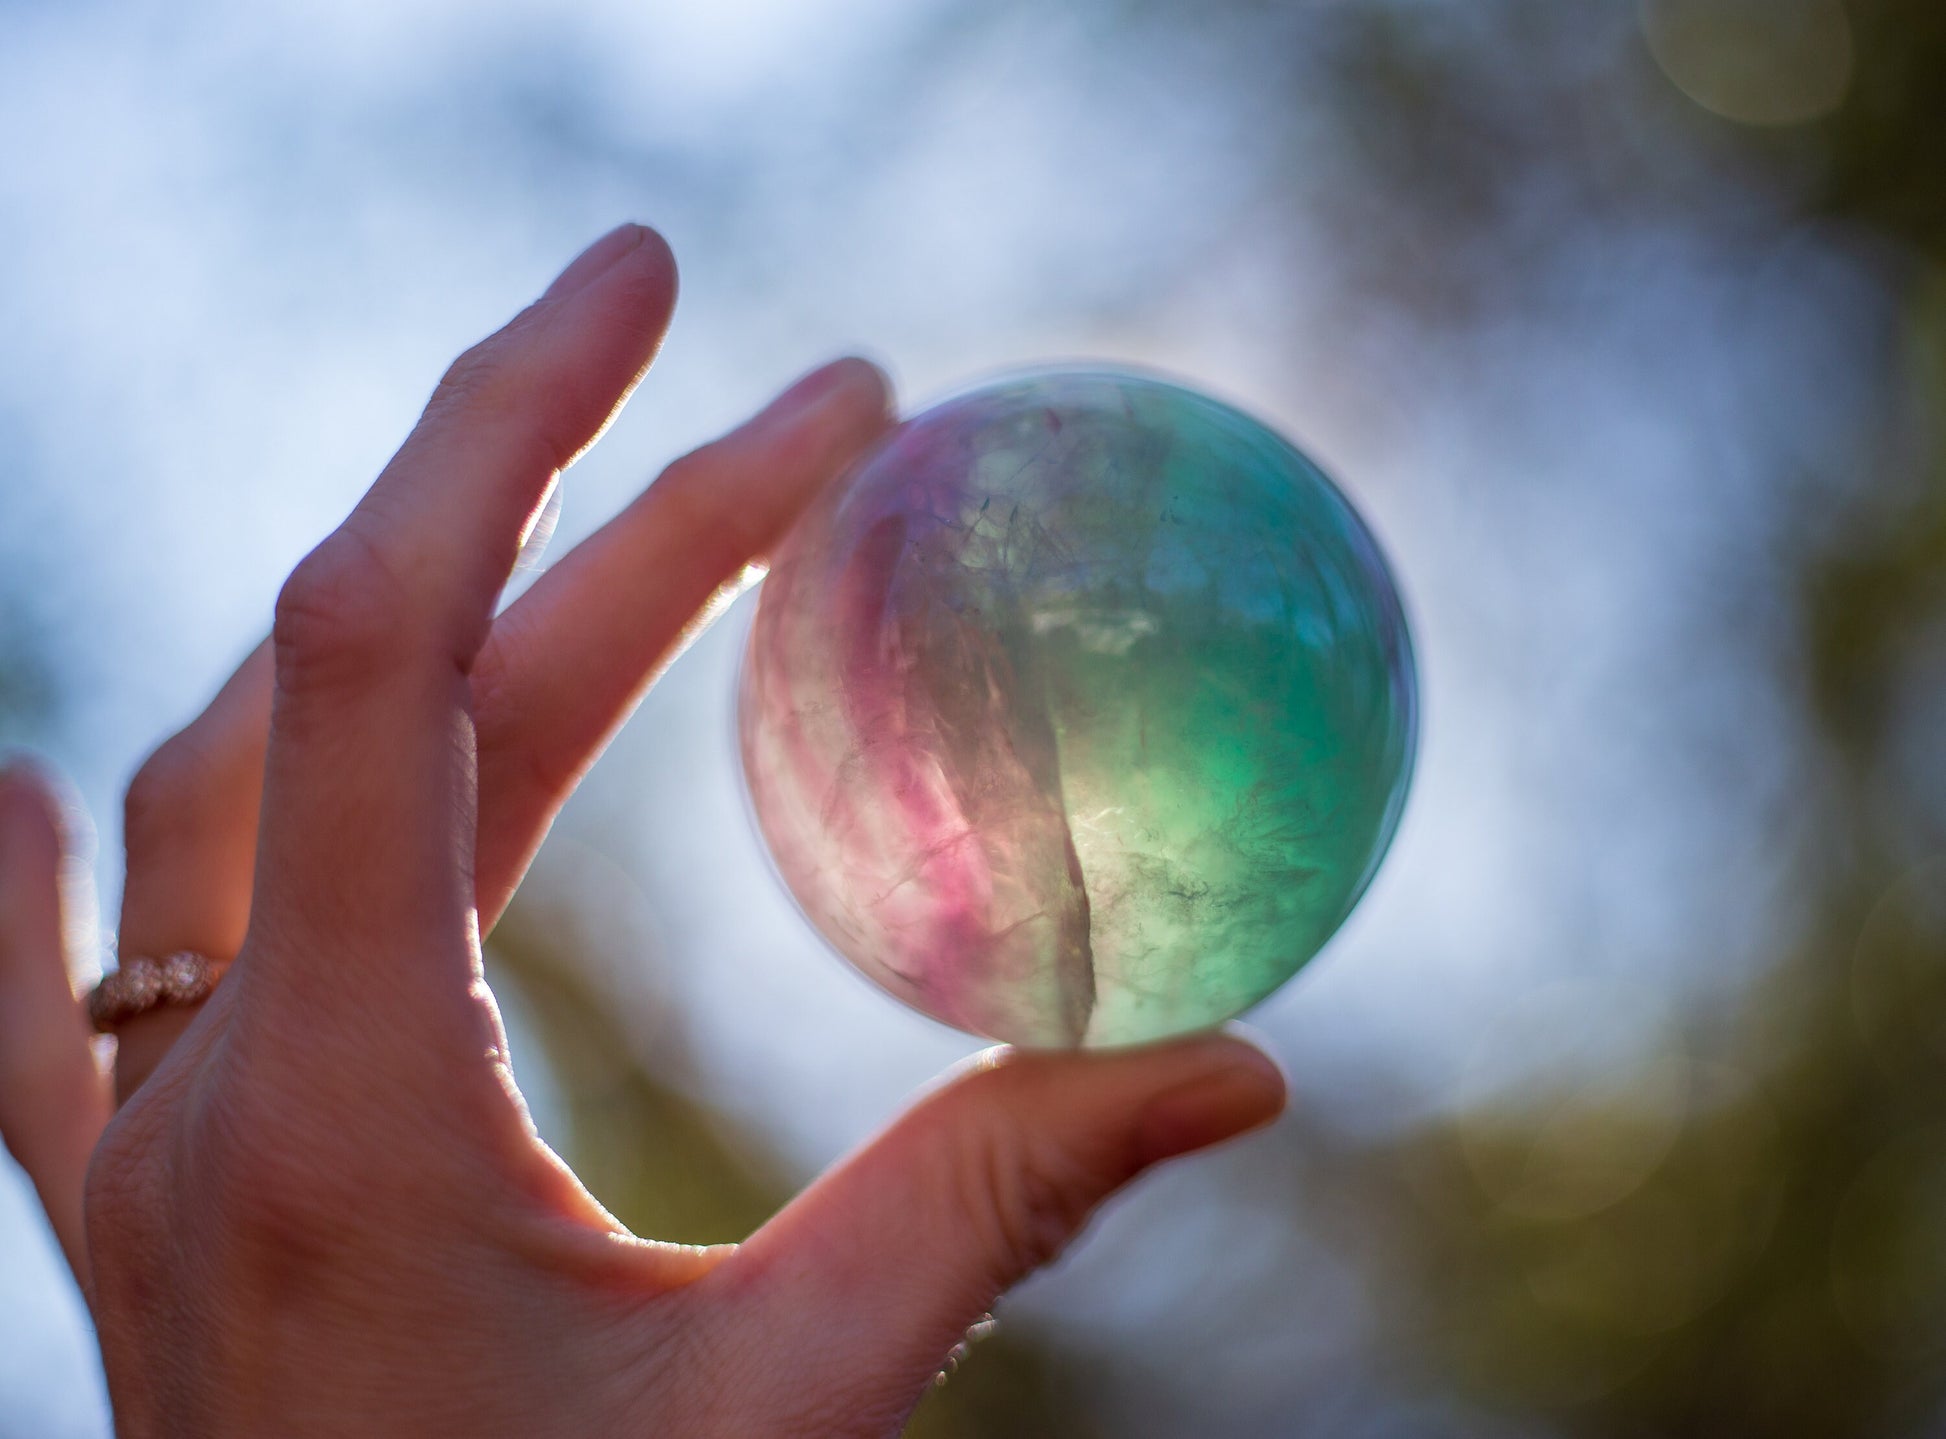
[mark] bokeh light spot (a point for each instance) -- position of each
(1758, 62)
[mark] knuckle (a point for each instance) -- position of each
(689, 497)
(252, 1171)
(476, 377)
(118, 1209)
(685, 487)
(253, 1157)
(505, 378)
(195, 1184)
(340, 611)
(515, 379)
(212, 1177)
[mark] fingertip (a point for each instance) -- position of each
(806, 437)
(1232, 1054)
(1240, 1088)
(645, 245)
(655, 251)
(852, 386)
(648, 277)
(1257, 1045)
(865, 381)
(1175, 1095)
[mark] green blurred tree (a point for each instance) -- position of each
(1779, 1266)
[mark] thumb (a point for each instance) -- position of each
(876, 1272)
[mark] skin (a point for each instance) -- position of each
(315, 1204)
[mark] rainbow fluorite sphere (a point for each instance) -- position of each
(1081, 712)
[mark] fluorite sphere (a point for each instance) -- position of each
(1080, 712)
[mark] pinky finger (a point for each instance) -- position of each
(54, 1097)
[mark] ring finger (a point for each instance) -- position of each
(190, 827)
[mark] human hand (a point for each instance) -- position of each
(322, 1207)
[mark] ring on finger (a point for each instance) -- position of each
(143, 983)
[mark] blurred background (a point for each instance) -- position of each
(1620, 1105)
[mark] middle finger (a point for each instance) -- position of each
(562, 669)
(567, 663)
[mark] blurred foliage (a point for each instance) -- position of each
(1887, 139)
(1748, 1236)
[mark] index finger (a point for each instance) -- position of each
(368, 818)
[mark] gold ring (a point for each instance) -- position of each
(143, 983)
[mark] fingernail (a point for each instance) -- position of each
(592, 262)
(1247, 1091)
(850, 377)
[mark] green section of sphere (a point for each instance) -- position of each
(1082, 712)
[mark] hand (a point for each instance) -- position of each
(321, 1207)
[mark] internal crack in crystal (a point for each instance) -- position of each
(1075, 979)
(1085, 960)
(1034, 737)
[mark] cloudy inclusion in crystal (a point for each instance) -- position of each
(1081, 712)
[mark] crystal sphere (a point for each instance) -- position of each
(1080, 712)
